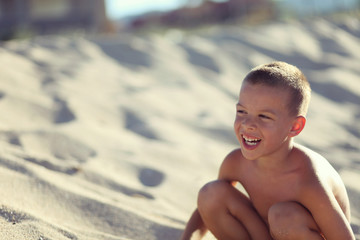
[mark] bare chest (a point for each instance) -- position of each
(266, 191)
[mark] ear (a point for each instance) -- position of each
(297, 126)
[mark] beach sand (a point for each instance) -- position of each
(111, 137)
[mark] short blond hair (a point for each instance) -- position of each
(288, 77)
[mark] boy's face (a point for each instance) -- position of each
(263, 123)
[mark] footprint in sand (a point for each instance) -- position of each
(126, 54)
(201, 60)
(10, 137)
(335, 92)
(150, 177)
(116, 186)
(62, 112)
(51, 150)
(135, 124)
(60, 146)
(13, 216)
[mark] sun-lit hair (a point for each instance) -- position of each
(285, 76)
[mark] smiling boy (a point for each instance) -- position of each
(291, 191)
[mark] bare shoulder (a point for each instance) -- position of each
(231, 166)
(317, 169)
(315, 164)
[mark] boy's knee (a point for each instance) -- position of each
(212, 194)
(283, 211)
(282, 220)
(288, 220)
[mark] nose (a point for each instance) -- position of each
(248, 123)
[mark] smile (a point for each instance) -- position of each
(251, 141)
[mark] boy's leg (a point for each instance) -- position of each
(290, 220)
(229, 214)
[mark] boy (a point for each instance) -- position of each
(292, 192)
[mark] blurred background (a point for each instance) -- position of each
(28, 18)
(131, 98)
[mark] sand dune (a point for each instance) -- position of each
(111, 137)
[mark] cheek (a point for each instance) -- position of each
(268, 126)
(271, 130)
(237, 121)
(237, 127)
(276, 132)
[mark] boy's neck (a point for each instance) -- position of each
(278, 160)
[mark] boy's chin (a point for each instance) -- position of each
(248, 155)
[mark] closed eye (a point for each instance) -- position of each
(241, 111)
(265, 117)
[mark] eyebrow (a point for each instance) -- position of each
(261, 111)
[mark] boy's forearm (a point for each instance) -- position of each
(195, 228)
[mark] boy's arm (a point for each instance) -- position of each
(195, 228)
(327, 213)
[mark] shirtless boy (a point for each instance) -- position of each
(292, 192)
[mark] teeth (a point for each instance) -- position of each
(251, 141)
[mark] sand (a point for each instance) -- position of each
(111, 137)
